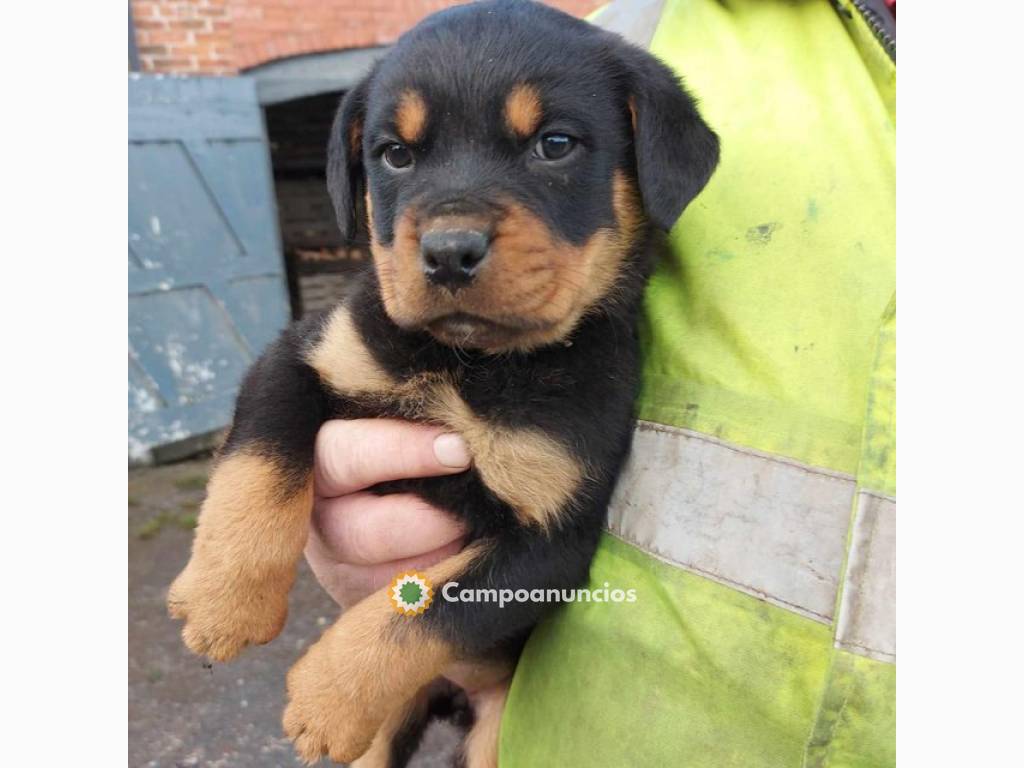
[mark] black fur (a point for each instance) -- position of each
(581, 395)
(464, 61)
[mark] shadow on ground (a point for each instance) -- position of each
(180, 714)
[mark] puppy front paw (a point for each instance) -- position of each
(227, 611)
(324, 715)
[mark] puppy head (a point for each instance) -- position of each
(506, 158)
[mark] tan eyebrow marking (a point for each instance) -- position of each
(411, 116)
(523, 110)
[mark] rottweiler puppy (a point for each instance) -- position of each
(512, 167)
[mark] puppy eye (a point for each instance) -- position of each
(397, 156)
(554, 146)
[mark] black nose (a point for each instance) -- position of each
(451, 257)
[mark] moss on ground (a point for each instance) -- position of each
(191, 483)
(185, 520)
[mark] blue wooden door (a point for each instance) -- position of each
(206, 279)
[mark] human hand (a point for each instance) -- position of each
(359, 541)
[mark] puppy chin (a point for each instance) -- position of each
(473, 332)
(464, 327)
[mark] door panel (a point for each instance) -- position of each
(206, 280)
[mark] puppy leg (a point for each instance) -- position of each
(254, 522)
(362, 669)
(488, 680)
(374, 659)
(399, 735)
(480, 749)
(234, 590)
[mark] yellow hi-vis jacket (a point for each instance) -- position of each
(756, 517)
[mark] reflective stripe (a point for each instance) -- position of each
(867, 611)
(635, 20)
(768, 526)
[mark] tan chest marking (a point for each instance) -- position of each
(525, 468)
(344, 363)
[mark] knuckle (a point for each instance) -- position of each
(340, 453)
(326, 448)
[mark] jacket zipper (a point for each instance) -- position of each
(875, 24)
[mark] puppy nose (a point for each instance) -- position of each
(452, 257)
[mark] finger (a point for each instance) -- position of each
(365, 529)
(353, 455)
(348, 584)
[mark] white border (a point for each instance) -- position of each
(63, 306)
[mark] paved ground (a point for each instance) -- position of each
(181, 714)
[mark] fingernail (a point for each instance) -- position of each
(451, 450)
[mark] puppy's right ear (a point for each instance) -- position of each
(346, 177)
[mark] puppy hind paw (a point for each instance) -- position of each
(314, 735)
(319, 719)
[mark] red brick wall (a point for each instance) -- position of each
(193, 36)
(218, 37)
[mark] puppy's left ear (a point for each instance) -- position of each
(676, 151)
(346, 177)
